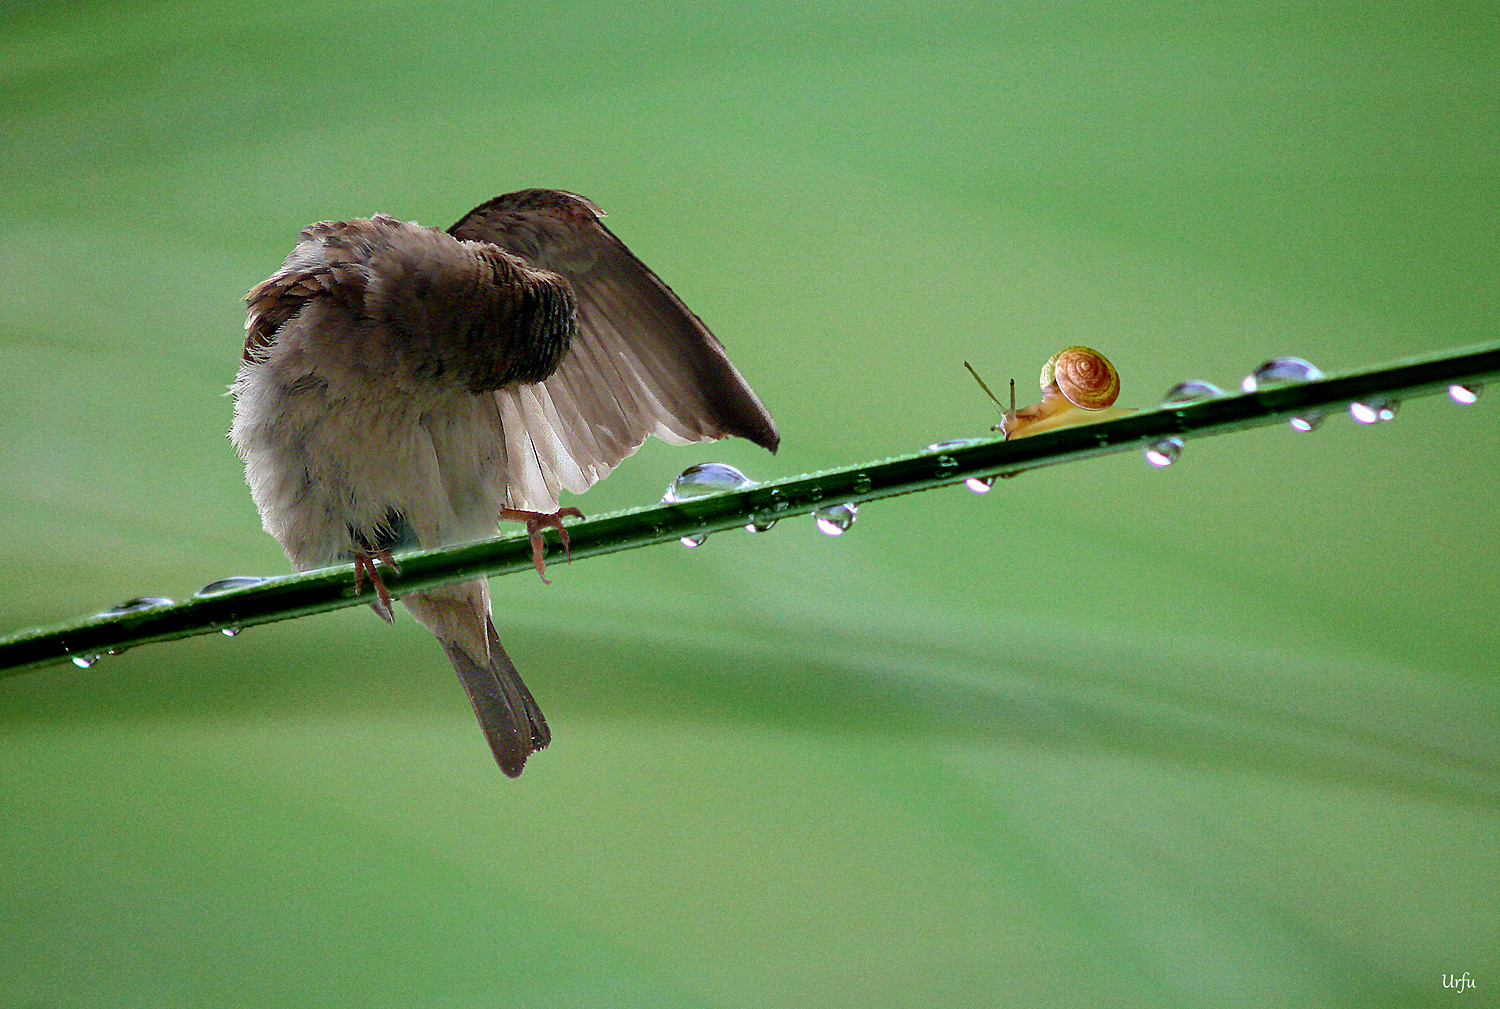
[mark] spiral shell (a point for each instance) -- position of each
(1082, 375)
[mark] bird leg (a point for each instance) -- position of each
(534, 523)
(364, 563)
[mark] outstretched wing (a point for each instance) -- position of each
(640, 364)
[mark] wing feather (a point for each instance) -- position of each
(640, 364)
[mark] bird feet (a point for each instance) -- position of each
(364, 563)
(534, 523)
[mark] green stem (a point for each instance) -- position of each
(331, 588)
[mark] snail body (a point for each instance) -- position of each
(1079, 386)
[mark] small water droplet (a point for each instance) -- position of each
(1465, 394)
(759, 524)
(1280, 371)
(84, 661)
(945, 464)
(835, 520)
(1374, 411)
(862, 483)
(815, 493)
(1191, 391)
(703, 480)
(980, 484)
(1164, 452)
(229, 632)
(135, 605)
(778, 502)
(1308, 421)
(694, 541)
(228, 585)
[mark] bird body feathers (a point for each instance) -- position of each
(401, 386)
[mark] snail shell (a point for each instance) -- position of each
(1084, 376)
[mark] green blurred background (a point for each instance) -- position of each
(1226, 734)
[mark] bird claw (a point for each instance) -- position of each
(364, 563)
(535, 521)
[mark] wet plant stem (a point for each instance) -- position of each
(289, 596)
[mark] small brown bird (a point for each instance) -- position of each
(406, 387)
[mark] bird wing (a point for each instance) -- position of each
(640, 363)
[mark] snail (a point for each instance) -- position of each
(1079, 386)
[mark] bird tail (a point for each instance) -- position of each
(459, 615)
(507, 712)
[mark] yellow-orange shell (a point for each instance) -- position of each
(1084, 376)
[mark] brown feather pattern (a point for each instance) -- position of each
(402, 386)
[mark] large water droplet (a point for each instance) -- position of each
(955, 443)
(228, 585)
(135, 605)
(1280, 371)
(1465, 394)
(835, 520)
(1191, 391)
(980, 484)
(759, 524)
(229, 632)
(1374, 411)
(705, 479)
(694, 541)
(84, 661)
(1164, 452)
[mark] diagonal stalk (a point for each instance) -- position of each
(282, 598)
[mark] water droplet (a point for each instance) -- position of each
(945, 464)
(862, 483)
(815, 493)
(1308, 421)
(1465, 394)
(228, 585)
(705, 479)
(980, 484)
(778, 503)
(835, 520)
(135, 605)
(955, 443)
(1374, 411)
(694, 541)
(1280, 371)
(1164, 452)
(84, 661)
(229, 632)
(759, 524)
(1191, 391)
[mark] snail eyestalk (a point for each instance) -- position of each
(998, 405)
(1007, 417)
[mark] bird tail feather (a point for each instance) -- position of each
(507, 712)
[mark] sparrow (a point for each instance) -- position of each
(404, 387)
